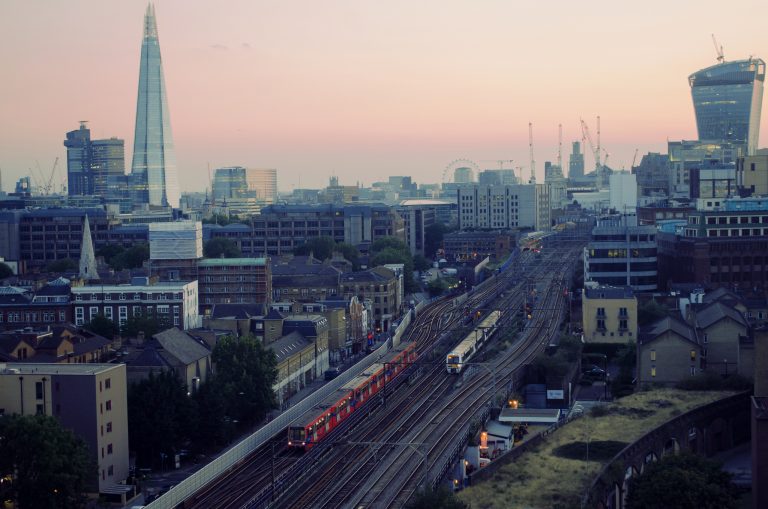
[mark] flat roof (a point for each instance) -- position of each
(240, 262)
(534, 415)
(23, 368)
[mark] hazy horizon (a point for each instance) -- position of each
(363, 90)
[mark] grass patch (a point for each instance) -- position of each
(598, 450)
(542, 479)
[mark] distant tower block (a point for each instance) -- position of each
(87, 256)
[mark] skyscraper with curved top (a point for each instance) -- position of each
(154, 160)
(727, 99)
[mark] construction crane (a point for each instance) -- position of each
(634, 158)
(718, 50)
(585, 134)
(499, 161)
(530, 148)
(49, 185)
(607, 155)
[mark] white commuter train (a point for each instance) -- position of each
(468, 347)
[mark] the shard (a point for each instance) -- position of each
(154, 160)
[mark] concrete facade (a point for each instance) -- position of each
(609, 314)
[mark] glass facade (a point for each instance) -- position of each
(727, 99)
(154, 159)
(94, 166)
(258, 184)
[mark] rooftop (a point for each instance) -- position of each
(231, 262)
(609, 292)
(56, 369)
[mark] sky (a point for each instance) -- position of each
(364, 89)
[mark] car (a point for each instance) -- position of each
(332, 373)
(594, 371)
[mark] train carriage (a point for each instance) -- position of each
(468, 347)
(318, 422)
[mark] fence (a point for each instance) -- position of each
(233, 456)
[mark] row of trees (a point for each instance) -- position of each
(134, 325)
(163, 417)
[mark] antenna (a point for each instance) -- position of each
(560, 147)
(718, 50)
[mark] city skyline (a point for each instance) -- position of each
(363, 92)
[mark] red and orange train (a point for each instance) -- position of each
(318, 422)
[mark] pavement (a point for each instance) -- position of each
(738, 461)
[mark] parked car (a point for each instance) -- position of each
(332, 373)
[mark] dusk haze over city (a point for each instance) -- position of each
(357, 254)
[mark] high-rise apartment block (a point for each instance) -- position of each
(154, 159)
(504, 207)
(94, 167)
(88, 399)
(727, 99)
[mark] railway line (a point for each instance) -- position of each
(335, 473)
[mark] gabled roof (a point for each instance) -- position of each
(274, 314)
(237, 311)
(713, 313)
(665, 325)
(9, 342)
(305, 280)
(180, 345)
(14, 295)
(288, 345)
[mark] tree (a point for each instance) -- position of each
(146, 324)
(211, 426)
(436, 287)
(63, 265)
(420, 262)
(321, 248)
(221, 248)
(5, 271)
(223, 220)
(684, 481)
(393, 250)
(102, 326)
(245, 374)
(349, 252)
(440, 498)
(433, 237)
(161, 417)
(650, 312)
(51, 466)
(119, 258)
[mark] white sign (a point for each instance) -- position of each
(555, 394)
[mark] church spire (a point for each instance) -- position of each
(87, 256)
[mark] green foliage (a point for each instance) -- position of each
(245, 373)
(221, 248)
(433, 237)
(5, 271)
(52, 467)
(649, 312)
(440, 498)
(160, 417)
(685, 481)
(119, 258)
(63, 265)
(323, 248)
(561, 362)
(437, 287)
(102, 326)
(599, 450)
(711, 381)
(146, 324)
(211, 426)
(223, 220)
(393, 250)
(420, 262)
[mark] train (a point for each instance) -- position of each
(312, 427)
(470, 345)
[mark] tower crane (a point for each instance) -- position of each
(499, 161)
(530, 148)
(585, 134)
(634, 158)
(718, 50)
(49, 184)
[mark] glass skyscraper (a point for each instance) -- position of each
(727, 99)
(154, 159)
(94, 166)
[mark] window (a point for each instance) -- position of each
(653, 371)
(39, 390)
(92, 312)
(623, 324)
(109, 427)
(78, 297)
(111, 469)
(693, 355)
(600, 311)
(693, 370)
(109, 448)
(39, 410)
(109, 405)
(705, 337)
(122, 296)
(79, 315)
(107, 296)
(108, 312)
(653, 355)
(108, 383)
(601, 324)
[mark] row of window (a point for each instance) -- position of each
(32, 316)
(123, 296)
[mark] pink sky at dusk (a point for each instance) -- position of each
(364, 89)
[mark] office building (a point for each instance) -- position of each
(94, 167)
(727, 101)
(621, 253)
(504, 207)
(238, 183)
(752, 175)
(576, 162)
(417, 215)
(233, 280)
(88, 399)
(722, 244)
(623, 193)
(154, 158)
(653, 174)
